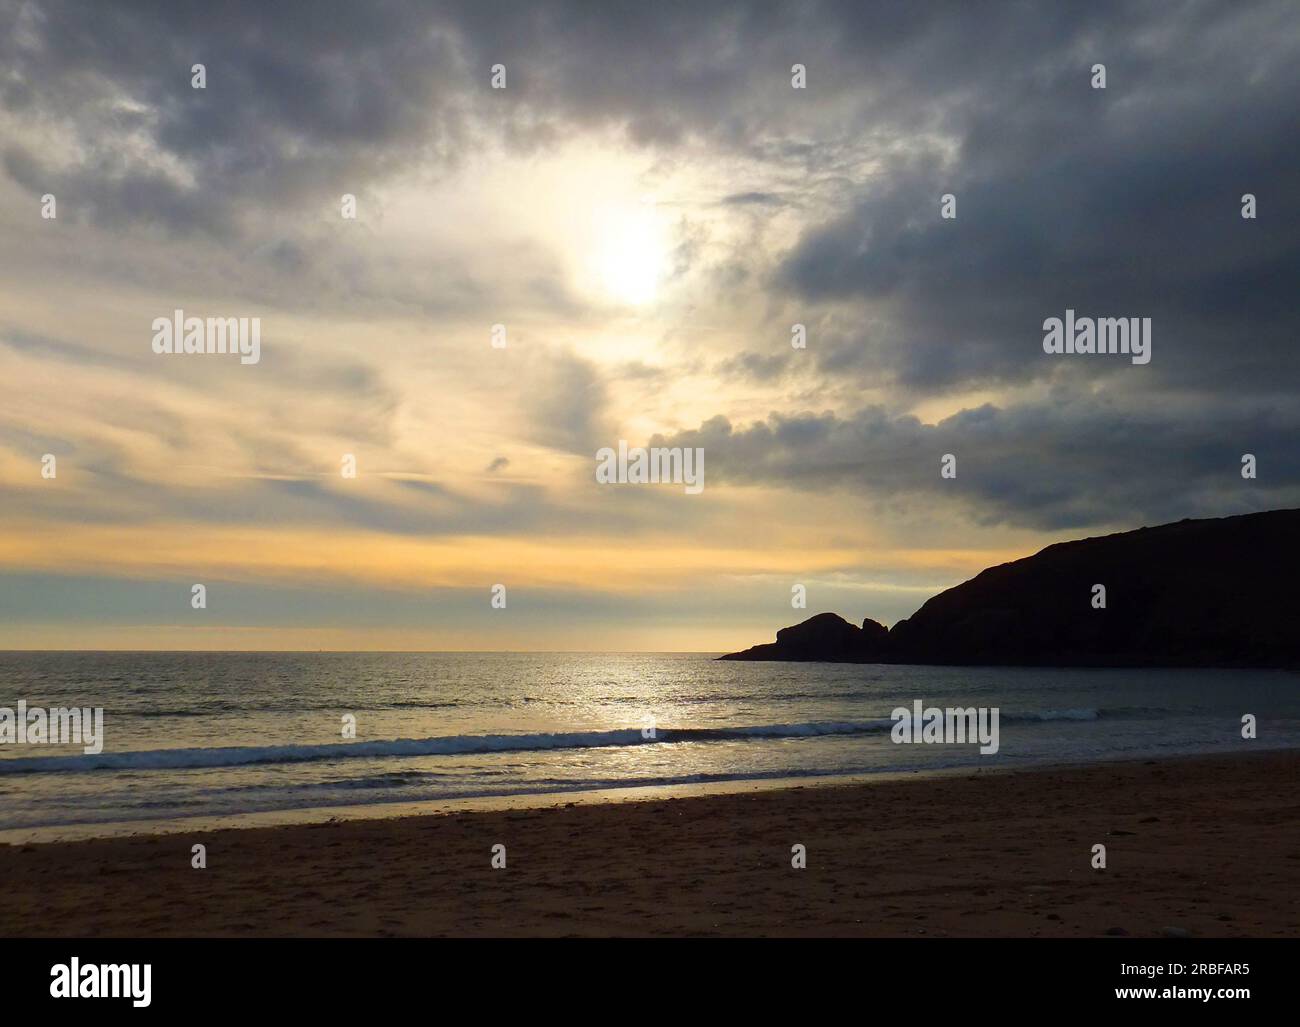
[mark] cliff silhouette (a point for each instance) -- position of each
(1197, 593)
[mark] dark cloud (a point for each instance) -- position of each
(301, 102)
(753, 199)
(754, 367)
(1117, 202)
(1063, 464)
(566, 404)
(303, 97)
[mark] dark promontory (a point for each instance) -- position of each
(1204, 593)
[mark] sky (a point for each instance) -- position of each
(648, 206)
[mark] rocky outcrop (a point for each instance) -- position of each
(826, 637)
(1192, 594)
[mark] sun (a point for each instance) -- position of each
(631, 254)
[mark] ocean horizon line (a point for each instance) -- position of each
(397, 652)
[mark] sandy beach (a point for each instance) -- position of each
(1206, 846)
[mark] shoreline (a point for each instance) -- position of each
(1209, 845)
(402, 809)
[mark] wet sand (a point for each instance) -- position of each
(1209, 846)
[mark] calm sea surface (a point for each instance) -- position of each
(193, 734)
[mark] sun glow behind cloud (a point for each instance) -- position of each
(630, 257)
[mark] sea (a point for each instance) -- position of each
(260, 737)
